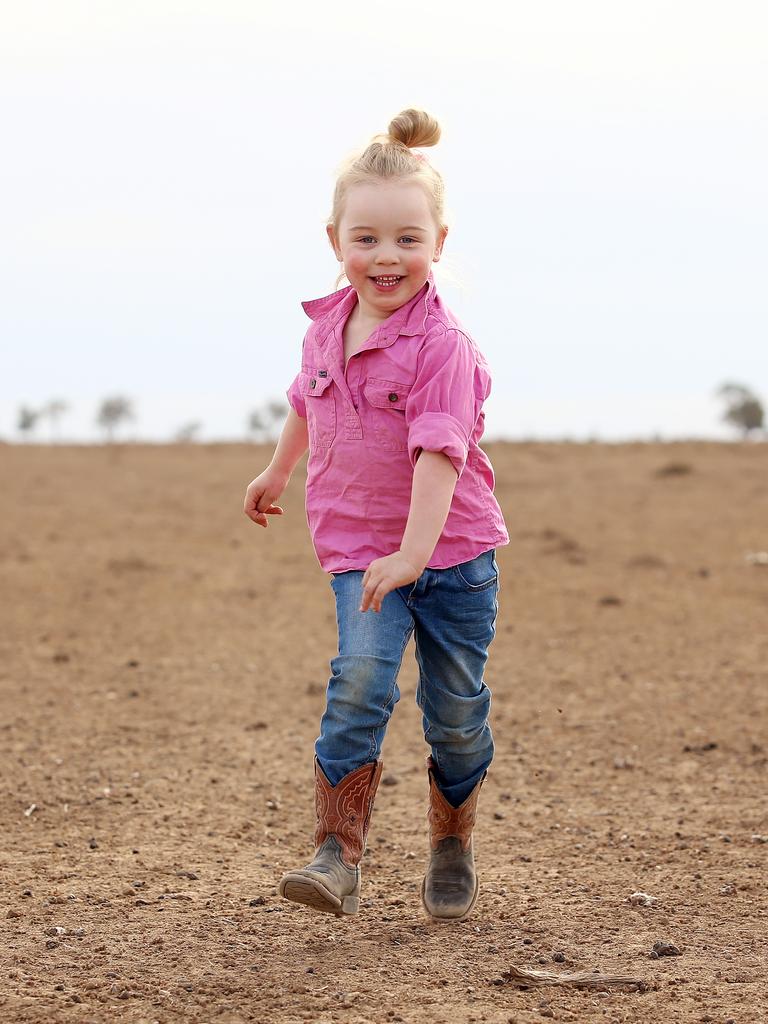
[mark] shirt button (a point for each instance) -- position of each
(392, 396)
(313, 383)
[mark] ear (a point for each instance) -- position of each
(439, 245)
(334, 241)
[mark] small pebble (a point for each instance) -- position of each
(641, 899)
(558, 957)
(664, 949)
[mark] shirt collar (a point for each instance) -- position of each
(410, 318)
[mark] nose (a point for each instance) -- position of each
(386, 257)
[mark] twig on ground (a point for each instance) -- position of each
(578, 979)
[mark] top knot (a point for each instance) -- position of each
(414, 128)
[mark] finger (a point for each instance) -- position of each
(365, 600)
(258, 515)
(372, 596)
(379, 594)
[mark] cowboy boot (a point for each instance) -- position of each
(450, 886)
(331, 883)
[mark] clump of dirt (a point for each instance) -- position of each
(675, 469)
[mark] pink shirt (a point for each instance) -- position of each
(418, 382)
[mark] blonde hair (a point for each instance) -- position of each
(389, 157)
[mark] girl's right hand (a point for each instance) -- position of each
(260, 495)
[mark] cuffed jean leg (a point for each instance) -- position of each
(362, 691)
(455, 622)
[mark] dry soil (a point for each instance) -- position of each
(162, 677)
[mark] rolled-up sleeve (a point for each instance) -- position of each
(446, 399)
(295, 397)
(294, 393)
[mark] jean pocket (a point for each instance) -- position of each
(478, 573)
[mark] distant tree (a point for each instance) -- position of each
(187, 433)
(264, 421)
(256, 425)
(53, 410)
(27, 420)
(112, 412)
(276, 411)
(744, 410)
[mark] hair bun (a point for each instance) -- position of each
(414, 128)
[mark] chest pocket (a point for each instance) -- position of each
(321, 407)
(385, 425)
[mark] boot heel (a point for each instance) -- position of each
(349, 905)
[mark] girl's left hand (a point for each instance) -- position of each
(386, 574)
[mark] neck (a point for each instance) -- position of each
(361, 315)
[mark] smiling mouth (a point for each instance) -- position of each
(387, 280)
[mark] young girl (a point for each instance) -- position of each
(400, 505)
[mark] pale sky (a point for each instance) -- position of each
(168, 170)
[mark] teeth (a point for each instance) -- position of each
(387, 279)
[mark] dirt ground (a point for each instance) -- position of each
(163, 665)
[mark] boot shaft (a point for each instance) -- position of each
(344, 810)
(445, 819)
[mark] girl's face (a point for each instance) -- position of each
(387, 240)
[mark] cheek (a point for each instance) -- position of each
(417, 260)
(357, 261)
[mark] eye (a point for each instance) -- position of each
(407, 238)
(367, 238)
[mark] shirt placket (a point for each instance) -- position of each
(347, 384)
(348, 381)
(353, 427)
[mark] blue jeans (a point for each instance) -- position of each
(453, 614)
